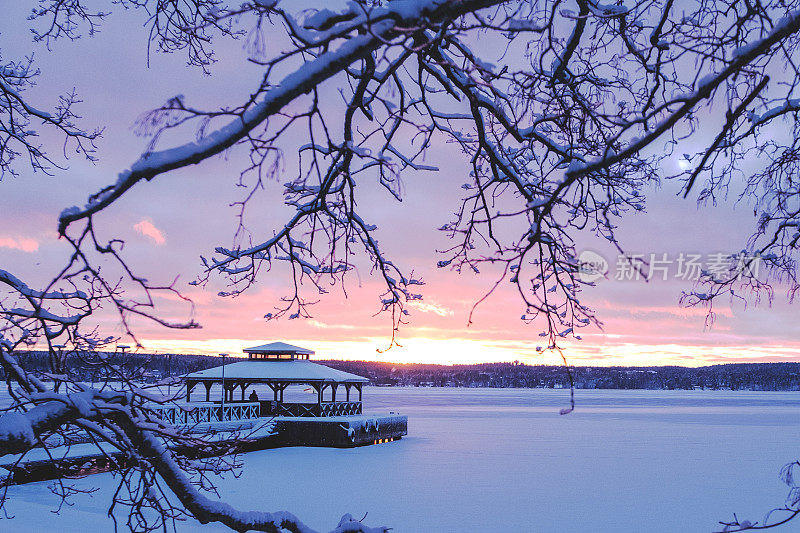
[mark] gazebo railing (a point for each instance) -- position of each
(340, 408)
(241, 411)
(311, 409)
(297, 409)
(188, 414)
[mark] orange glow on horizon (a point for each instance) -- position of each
(449, 351)
(640, 328)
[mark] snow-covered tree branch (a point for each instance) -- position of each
(564, 113)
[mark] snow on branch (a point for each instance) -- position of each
(298, 83)
(19, 120)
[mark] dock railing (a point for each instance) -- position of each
(272, 408)
(195, 413)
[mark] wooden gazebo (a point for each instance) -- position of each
(279, 365)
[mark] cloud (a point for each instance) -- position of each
(428, 307)
(146, 228)
(323, 325)
(19, 243)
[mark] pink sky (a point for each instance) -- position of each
(168, 223)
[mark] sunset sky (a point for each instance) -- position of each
(169, 223)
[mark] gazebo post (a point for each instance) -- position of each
(347, 391)
(208, 385)
(359, 390)
(224, 392)
(189, 387)
(333, 390)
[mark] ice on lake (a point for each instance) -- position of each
(505, 460)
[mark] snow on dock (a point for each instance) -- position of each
(341, 431)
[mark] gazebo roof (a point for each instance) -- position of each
(293, 371)
(278, 348)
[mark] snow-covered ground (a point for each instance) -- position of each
(504, 460)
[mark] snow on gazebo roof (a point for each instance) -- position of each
(278, 348)
(289, 370)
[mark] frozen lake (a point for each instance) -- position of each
(504, 460)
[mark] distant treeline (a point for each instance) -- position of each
(95, 366)
(738, 376)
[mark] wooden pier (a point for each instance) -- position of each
(239, 424)
(238, 437)
(341, 431)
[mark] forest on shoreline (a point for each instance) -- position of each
(733, 376)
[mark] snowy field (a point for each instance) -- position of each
(503, 460)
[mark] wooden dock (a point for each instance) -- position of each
(341, 431)
(239, 437)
